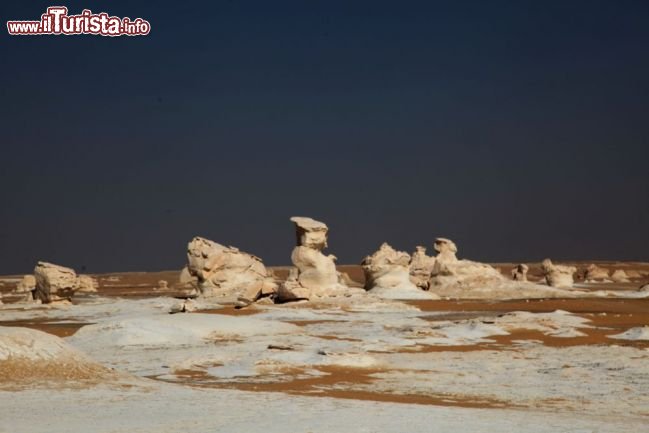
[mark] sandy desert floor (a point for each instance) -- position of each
(118, 361)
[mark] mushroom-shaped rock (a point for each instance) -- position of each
(421, 267)
(446, 250)
(557, 275)
(387, 274)
(87, 284)
(227, 272)
(594, 272)
(315, 274)
(54, 282)
(519, 273)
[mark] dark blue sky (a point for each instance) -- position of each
(518, 129)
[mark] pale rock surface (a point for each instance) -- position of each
(632, 273)
(421, 267)
(28, 356)
(387, 275)
(519, 273)
(619, 276)
(87, 284)
(27, 284)
(315, 274)
(446, 250)
(557, 275)
(54, 282)
(594, 272)
(453, 278)
(227, 272)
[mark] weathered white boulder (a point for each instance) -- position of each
(387, 275)
(227, 272)
(421, 267)
(87, 284)
(558, 275)
(54, 282)
(315, 274)
(519, 273)
(594, 272)
(454, 278)
(619, 276)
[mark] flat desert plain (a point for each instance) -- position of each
(117, 360)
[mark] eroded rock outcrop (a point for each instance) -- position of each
(421, 267)
(594, 272)
(620, 276)
(25, 288)
(227, 272)
(455, 278)
(519, 273)
(54, 283)
(459, 271)
(558, 275)
(87, 284)
(315, 274)
(387, 274)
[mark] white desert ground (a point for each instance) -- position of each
(503, 358)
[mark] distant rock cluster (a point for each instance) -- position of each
(227, 274)
(53, 283)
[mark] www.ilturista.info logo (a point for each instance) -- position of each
(57, 22)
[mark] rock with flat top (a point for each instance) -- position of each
(54, 283)
(315, 273)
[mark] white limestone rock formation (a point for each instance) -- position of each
(315, 274)
(26, 288)
(619, 276)
(27, 284)
(87, 284)
(446, 250)
(450, 274)
(594, 273)
(466, 279)
(421, 267)
(227, 272)
(558, 275)
(54, 283)
(519, 273)
(387, 275)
